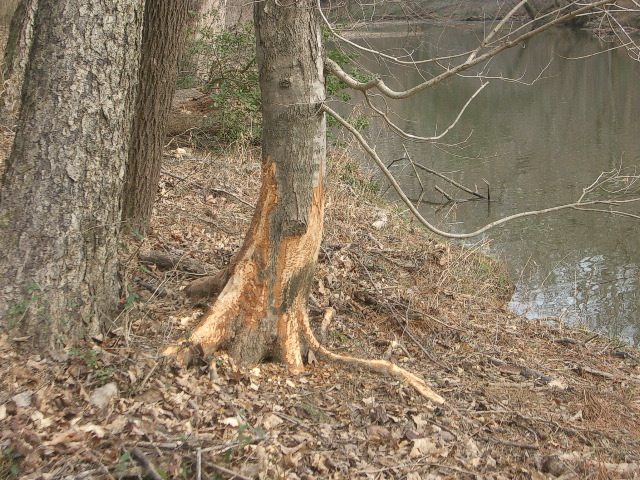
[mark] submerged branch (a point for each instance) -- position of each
(580, 204)
(442, 176)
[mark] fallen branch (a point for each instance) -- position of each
(165, 261)
(229, 472)
(145, 463)
(440, 175)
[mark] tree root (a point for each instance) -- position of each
(184, 353)
(378, 366)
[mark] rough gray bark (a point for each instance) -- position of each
(61, 190)
(212, 15)
(165, 26)
(16, 56)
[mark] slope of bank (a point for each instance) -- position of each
(524, 399)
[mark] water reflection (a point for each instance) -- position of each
(538, 146)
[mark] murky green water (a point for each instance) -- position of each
(538, 146)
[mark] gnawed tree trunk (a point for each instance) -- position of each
(261, 313)
(61, 190)
(16, 56)
(165, 27)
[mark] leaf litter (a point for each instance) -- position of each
(524, 399)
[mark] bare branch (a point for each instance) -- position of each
(381, 54)
(416, 137)
(497, 28)
(470, 62)
(580, 204)
(438, 174)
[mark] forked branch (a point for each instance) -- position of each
(473, 59)
(580, 204)
(418, 138)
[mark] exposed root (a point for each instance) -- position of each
(378, 366)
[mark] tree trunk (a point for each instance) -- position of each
(212, 15)
(165, 25)
(263, 308)
(208, 22)
(16, 56)
(62, 187)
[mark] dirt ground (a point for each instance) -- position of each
(524, 399)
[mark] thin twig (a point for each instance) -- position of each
(445, 194)
(440, 175)
(525, 446)
(199, 463)
(229, 472)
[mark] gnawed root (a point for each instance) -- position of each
(379, 366)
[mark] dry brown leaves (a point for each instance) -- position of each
(525, 400)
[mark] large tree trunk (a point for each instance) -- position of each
(263, 307)
(16, 56)
(212, 15)
(61, 190)
(165, 25)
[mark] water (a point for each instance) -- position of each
(538, 146)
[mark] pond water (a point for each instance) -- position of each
(538, 145)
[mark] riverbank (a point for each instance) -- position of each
(523, 399)
(454, 11)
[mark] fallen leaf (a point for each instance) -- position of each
(22, 399)
(231, 421)
(101, 397)
(97, 430)
(557, 383)
(422, 447)
(271, 421)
